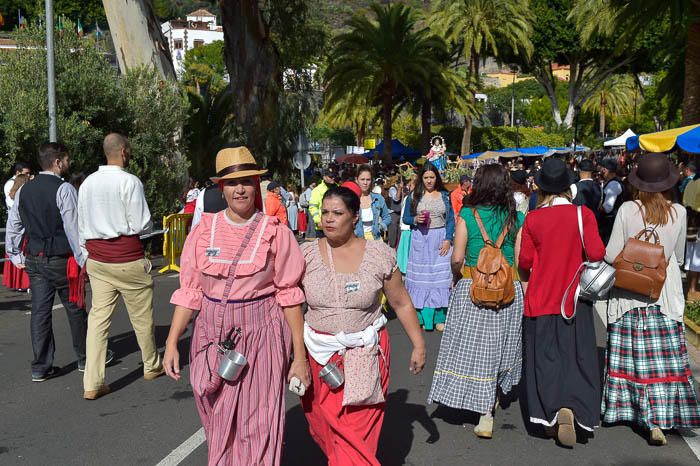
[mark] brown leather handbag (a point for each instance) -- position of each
(492, 277)
(641, 265)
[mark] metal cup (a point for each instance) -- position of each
(231, 364)
(332, 375)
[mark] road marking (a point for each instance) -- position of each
(183, 451)
(692, 438)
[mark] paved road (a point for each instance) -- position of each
(143, 422)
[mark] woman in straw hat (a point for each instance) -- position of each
(648, 379)
(562, 381)
(240, 274)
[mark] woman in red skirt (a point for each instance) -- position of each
(13, 277)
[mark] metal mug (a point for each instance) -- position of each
(231, 364)
(332, 375)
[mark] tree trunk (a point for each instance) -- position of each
(138, 38)
(425, 117)
(467, 135)
(468, 120)
(387, 121)
(251, 60)
(602, 122)
(691, 90)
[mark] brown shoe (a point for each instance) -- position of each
(566, 433)
(657, 437)
(154, 374)
(95, 394)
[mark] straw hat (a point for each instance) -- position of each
(236, 162)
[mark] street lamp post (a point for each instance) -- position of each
(517, 133)
(50, 72)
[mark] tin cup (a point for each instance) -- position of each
(231, 364)
(332, 375)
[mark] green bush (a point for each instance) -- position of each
(692, 311)
(92, 101)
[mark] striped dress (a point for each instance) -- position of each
(238, 276)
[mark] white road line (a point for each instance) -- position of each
(692, 438)
(183, 451)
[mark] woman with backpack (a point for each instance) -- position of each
(481, 350)
(428, 275)
(648, 380)
(562, 379)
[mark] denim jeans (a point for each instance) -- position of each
(47, 276)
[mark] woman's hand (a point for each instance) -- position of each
(419, 219)
(417, 360)
(445, 248)
(171, 361)
(300, 369)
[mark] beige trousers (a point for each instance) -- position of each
(135, 285)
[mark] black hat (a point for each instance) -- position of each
(586, 165)
(609, 163)
(331, 173)
(655, 173)
(272, 185)
(519, 176)
(554, 176)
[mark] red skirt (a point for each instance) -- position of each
(302, 222)
(14, 278)
(347, 435)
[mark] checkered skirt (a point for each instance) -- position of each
(648, 379)
(480, 351)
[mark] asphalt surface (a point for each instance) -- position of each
(142, 422)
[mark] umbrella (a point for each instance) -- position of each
(352, 158)
(686, 138)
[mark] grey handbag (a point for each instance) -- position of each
(597, 278)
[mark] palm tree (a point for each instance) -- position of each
(635, 16)
(351, 111)
(380, 59)
(479, 28)
(614, 97)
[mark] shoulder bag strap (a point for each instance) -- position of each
(562, 309)
(480, 224)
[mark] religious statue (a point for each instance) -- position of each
(438, 153)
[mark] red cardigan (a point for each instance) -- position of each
(551, 248)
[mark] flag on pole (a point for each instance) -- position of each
(80, 28)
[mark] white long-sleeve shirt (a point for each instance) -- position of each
(112, 203)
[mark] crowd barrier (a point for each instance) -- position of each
(176, 227)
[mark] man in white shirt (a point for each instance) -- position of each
(112, 213)
(20, 168)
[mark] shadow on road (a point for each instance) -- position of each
(395, 441)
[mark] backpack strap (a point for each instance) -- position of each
(480, 224)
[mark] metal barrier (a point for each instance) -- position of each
(176, 227)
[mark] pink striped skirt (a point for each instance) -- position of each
(243, 420)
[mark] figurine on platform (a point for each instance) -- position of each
(438, 153)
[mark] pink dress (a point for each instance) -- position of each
(243, 420)
(346, 302)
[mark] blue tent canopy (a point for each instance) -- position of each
(535, 151)
(398, 151)
(632, 143)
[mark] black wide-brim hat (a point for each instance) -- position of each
(554, 176)
(655, 173)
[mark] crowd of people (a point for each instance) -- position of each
(494, 265)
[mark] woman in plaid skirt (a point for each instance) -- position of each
(648, 379)
(481, 350)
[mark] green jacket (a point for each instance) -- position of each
(315, 203)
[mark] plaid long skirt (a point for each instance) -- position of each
(648, 379)
(480, 351)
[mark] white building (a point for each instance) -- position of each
(199, 28)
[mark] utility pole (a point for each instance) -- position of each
(50, 72)
(512, 100)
